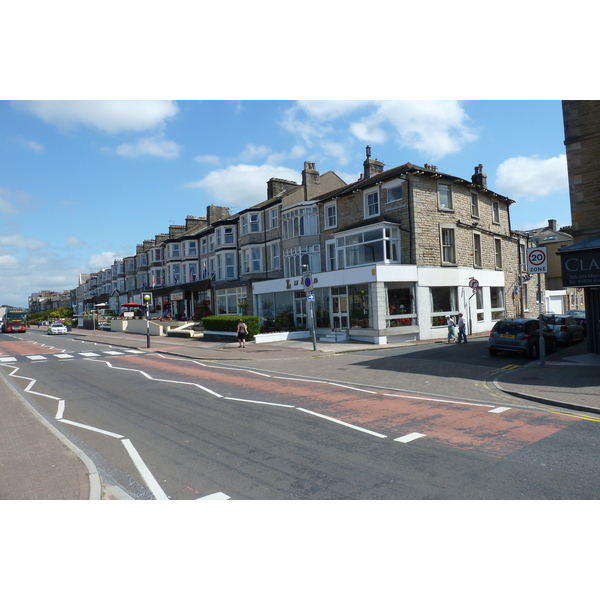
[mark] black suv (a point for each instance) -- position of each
(520, 335)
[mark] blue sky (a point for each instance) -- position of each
(83, 182)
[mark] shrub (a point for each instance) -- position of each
(230, 323)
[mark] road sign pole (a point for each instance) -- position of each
(313, 334)
(542, 343)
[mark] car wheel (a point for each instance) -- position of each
(493, 351)
(533, 351)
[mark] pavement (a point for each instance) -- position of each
(38, 463)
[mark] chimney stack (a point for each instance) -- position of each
(479, 178)
(552, 224)
(372, 167)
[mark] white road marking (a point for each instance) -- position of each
(426, 399)
(409, 438)
(113, 352)
(110, 433)
(60, 411)
(64, 356)
(500, 409)
(310, 412)
(140, 465)
(37, 357)
(215, 496)
(259, 402)
(8, 359)
(86, 354)
(135, 351)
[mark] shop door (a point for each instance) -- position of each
(339, 311)
(300, 311)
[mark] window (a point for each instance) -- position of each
(330, 215)
(448, 246)
(250, 223)
(275, 257)
(475, 206)
(175, 271)
(401, 304)
(330, 256)
(300, 259)
(230, 265)
(497, 301)
(193, 248)
(300, 221)
(211, 242)
(252, 260)
(228, 300)
(175, 249)
(522, 259)
(525, 294)
(394, 194)
(444, 301)
(371, 204)
(498, 252)
(203, 246)
(445, 196)
(495, 212)
(377, 245)
(229, 236)
(274, 218)
(479, 300)
(477, 259)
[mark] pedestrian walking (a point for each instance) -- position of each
(451, 329)
(462, 329)
(242, 332)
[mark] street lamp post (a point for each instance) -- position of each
(147, 298)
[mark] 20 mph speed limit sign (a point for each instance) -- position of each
(537, 260)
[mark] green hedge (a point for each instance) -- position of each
(230, 323)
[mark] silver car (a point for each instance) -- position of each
(520, 335)
(566, 328)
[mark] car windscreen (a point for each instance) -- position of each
(508, 328)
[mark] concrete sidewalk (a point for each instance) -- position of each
(37, 462)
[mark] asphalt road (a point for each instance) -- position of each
(432, 428)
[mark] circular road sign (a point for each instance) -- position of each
(473, 284)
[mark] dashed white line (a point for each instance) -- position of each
(140, 465)
(90, 428)
(409, 438)
(500, 409)
(259, 402)
(216, 496)
(310, 412)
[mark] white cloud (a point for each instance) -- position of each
(110, 116)
(73, 241)
(37, 148)
(251, 152)
(532, 177)
(435, 128)
(101, 261)
(6, 207)
(8, 262)
(151, 146)
(18, 240)
(242, 185)
(209, 159)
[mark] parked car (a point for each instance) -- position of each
(57, 329)
(566, 328)
(520, 335)
(104, 325)
(579, 316)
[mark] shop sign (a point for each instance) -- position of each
(581, 269)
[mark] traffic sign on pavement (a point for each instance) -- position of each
(537, 260)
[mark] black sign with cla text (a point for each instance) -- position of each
(581, 269)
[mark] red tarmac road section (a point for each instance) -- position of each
(469, 426)
(23, 348)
